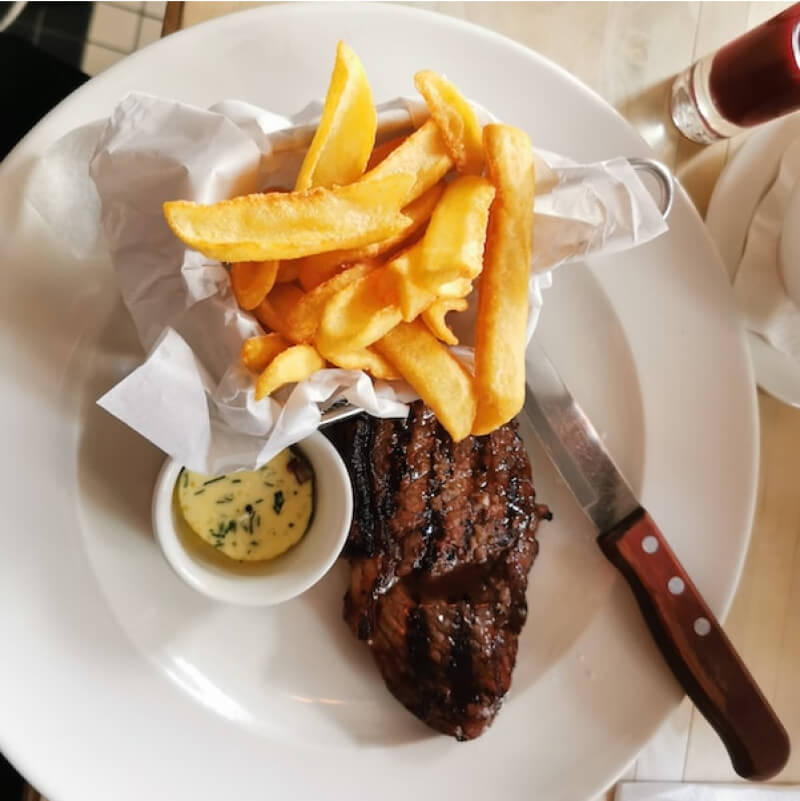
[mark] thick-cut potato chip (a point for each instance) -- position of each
(287, 272)
(273, 311)
(503, 287)
(412, 298)
(380, 152)
(459, 288)
(294, 364)
(289, 225)
(434, 318)
(455, 119)
(358, 315)
(437, 376)
(252, 281)
(423, 154)
(258, 352)
(313, 270)
(345, 136)
(304, 316)
(366, 359)
(454, 241)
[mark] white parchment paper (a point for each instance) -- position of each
(191, 396)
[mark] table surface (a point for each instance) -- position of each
(628, 53)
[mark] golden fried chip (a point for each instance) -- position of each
(358, 315)
(258, 352)
(380, 152)
(304, 316)
(366, 359)
(454, 240)
(503, 287)
(289, 225)
(273, 311)
(423, 154)
(436, 375)
(294, 364)
(434, 318)
(343, 142)
(459, 288)
(412, 298)
(252, 281)
(455, 119)
(313, 270)
(287, 271)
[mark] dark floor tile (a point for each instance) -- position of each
(68, 18)
(69, 50)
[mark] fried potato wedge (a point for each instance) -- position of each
(459, 288)
(287, 271)
(380, 152)
(289, 225)
(294, 364)
(273, 312)
(455, 119)
(345, 135)
(252, 281)
(258, 352)
(412, 298)
(314, 270)
(434, 317)
(304, 316)
(436, 375)
(453, 244)
(368, 360)
(358, 315)
(503, 288)
(423, 154)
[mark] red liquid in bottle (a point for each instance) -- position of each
(757, 76)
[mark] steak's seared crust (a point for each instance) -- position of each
(441, 544)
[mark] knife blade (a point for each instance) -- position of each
(692, 641)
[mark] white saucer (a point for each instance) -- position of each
(742, 185)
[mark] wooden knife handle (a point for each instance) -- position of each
(696, 648)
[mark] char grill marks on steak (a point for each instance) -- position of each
(441, 544)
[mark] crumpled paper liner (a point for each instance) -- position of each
(192, 397)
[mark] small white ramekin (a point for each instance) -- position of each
(261, 583)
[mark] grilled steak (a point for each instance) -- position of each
(441, 544)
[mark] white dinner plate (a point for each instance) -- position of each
(740, 188)
(120, 681)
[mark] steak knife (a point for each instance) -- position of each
(691, 639)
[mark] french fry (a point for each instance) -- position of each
(503, 287)
(412, 298)
(454, 241)
(345, 136)
(437, 376)
(289, 225)
(459, 288)
(366, 359)
(287, 272)
(423, 154)
(304, 316)
(258, 352)
(314, 270)
(294, 364)
(273, 311)
(358, 315)
(434, 317)
(455, 119)
(252, 281)
(380, 152)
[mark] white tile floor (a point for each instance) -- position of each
(117, 29)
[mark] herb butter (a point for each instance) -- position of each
(250, 515)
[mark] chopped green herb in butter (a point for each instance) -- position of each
(218, 507)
